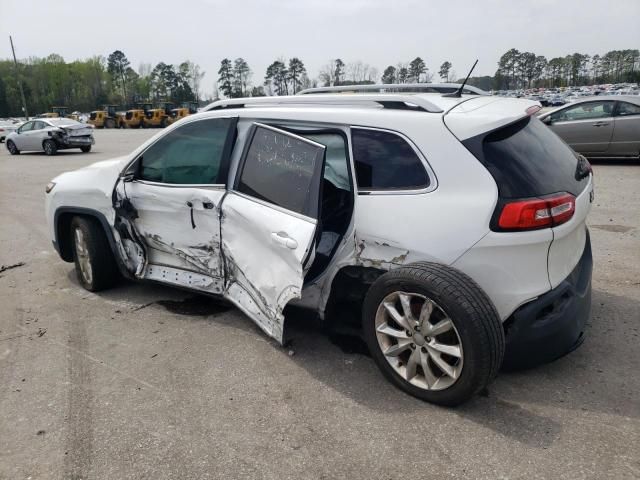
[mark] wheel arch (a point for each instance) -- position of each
(62, 227)
(348, 289)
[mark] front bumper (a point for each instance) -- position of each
(552, 325)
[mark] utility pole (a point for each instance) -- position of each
(24, 103)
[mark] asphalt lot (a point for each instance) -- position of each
(137, 383)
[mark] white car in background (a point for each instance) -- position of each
(450, 225)
(50, 135)
(6, 127)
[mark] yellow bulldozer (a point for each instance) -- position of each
(186, 109)
(106, 118)
(134, 118)
(159, 116)
(59, 112)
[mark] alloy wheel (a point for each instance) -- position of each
(82, 253)
(419, 340)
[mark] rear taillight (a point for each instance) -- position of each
(536, 213)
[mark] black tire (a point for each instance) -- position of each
(50, 147)
(109, 123)
(99, 256)
(163, 123)
(86, 148)
(472, 313)
(13, 150)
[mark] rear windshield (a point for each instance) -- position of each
(526, 159)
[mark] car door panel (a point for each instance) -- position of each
(268, 224)
(264, 248)
(179, 225)
(21, 140)
(626, 134)
(168, 205)
(586, 126)
(586, 136)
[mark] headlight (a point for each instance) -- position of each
(50, 186)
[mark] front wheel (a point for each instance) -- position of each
(50, 147)
(433, 332)
(86, 148)
(95, 264)
(13, 150)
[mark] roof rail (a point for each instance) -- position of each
(386, 100)
(397, 87)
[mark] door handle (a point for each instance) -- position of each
(600, 124)
(283, 239)
(206, 204)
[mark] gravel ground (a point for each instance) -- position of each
(144, 381)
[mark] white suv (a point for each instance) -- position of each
(454, 226)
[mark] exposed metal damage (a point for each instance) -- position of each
(371, 252)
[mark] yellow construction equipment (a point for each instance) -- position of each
(56, 112)
(186, 109)
(106, 118)
(158, 117)
(134, 118)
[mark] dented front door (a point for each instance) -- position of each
(268, 224)
(181, 229)
(174, 196)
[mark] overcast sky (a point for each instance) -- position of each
(376, 32)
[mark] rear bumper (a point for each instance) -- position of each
(552, 325)
(72, 142)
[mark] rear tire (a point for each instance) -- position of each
(13, 150)
(95, 264)
(50, 147)
(109, 123)
(459, 318)
(86, 148)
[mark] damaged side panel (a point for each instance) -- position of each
(170, 234)
(263, 248)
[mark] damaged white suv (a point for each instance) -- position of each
(454, 226)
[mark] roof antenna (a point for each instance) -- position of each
(458, 93)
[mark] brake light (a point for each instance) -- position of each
(536, 213)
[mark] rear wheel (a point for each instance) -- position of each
(433, 332)
(95, 265)
(13, 150)
(50, 147)
(86, 148)
(109, 123)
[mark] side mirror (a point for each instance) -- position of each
(547, 120)
(133, 171)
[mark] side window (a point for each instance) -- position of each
(385, 161)
(191, 154)
(283, 169)
(26, 127)
(38, 125)
(584, 111)
(625, 109)
(336, 165)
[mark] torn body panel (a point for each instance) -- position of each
(264, 248)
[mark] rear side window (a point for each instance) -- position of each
(191, 154)
(385, 161)
(625, 109)
(283, 169)
(526, 159)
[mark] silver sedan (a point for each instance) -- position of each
(599, 127)
(50, 135)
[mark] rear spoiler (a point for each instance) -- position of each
(479, 115)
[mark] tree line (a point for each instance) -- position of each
(526, 69)
(87, 84)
